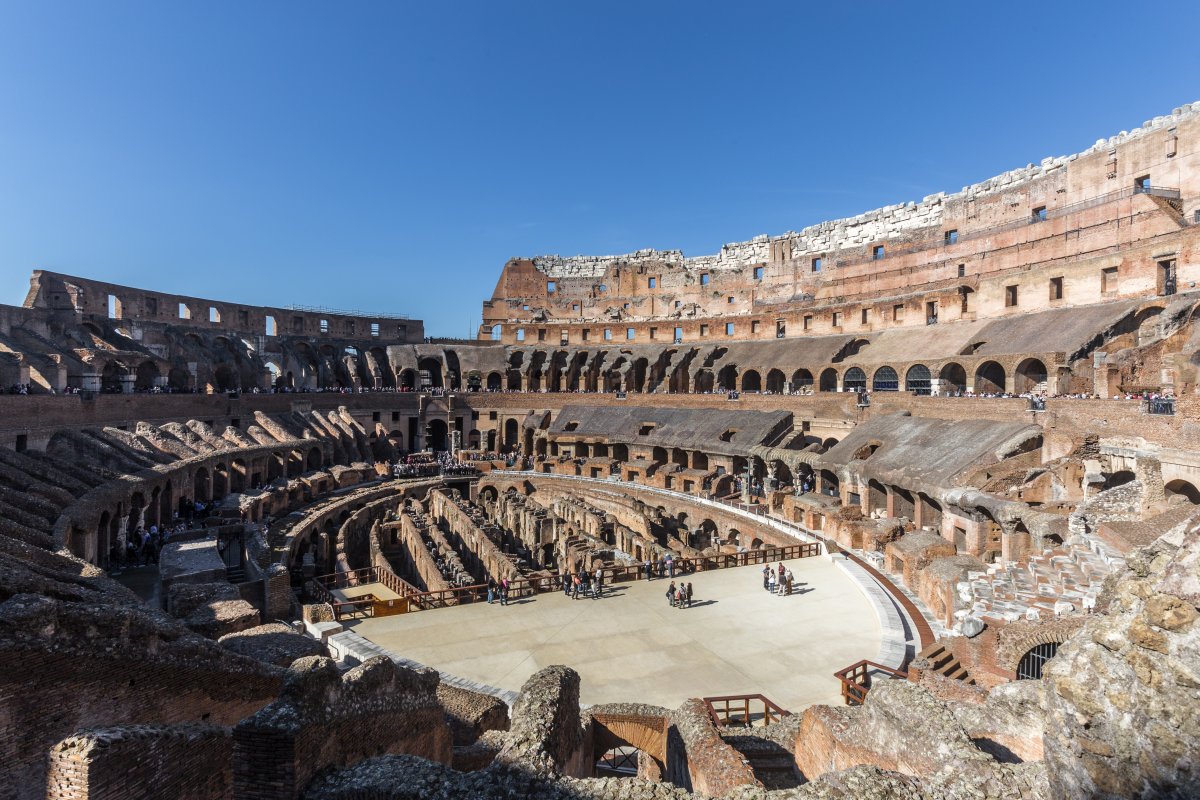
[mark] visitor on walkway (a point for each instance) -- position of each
(680, 597)
(566, 583)
(575, 582)
(789, 578)
(766, 577)
(648, 570)
(671, 593)
(688, 593)
(599, 584)
(771, 581)
(671, 565)
(491, 590)
(504, 592)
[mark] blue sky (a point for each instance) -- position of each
(391, 156)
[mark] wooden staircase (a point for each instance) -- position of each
(943, 662)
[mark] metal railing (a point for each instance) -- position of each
(856, 680)
(344, 313)
(742, 710)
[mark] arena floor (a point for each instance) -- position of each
(631, 645)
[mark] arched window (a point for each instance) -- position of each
(854, 380)
(916, 380)
(885, 380)
(1030, 667)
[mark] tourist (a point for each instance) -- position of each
(599, 585)
(671, 565)
(680, 597)
(647, 566)
(766, 573)
(491, 586)
(688, 594)
(575, 586)
(504, 592)
(566, 583)
(671, 593)
(771, 581)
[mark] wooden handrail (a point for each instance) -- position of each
(856, 680)
(721, 717)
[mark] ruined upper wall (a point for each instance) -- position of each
(52, 291)
(881, 224)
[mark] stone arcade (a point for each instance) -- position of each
(877, 395)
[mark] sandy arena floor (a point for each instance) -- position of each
(631, 646)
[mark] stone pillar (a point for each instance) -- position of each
(935, 386)
(89, 381)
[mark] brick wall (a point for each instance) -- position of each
(143, 762)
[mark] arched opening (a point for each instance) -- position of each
(179, 379)
(876, 498)
(855, 380)
(989, 378)
(408, 379)
(237, 476)
(704, 382)
(1030, 376)
(1181, 488)
(829, 380)
(276, 466)
(931, 512)
(438, 435)
(953, 378)
(314, 459)
(801, 379)
(225, 378)
(497, 332)
(727, 378)
(511, 433)
(751, 382)
(201, 487)
(917, 380)
(1030, 667)
(885, 380)
(514, 380)
(494, 382)
(220, 481)
(679, 456)
(830, 485)
(699, 460)
(430, 373)
(775, 381)
(110, 378)
(618, 762)
(147, 376)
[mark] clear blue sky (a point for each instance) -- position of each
(391, 156)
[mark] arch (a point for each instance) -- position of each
(775, 381)
(1029, 376)
(917, 380)
(829, 380)
(497, 332)
(201, 486)
(849, 350)
(1182, 488)
(220, 481)
(885, 380)
(751, 381)
(238, 476)
(783, 473)
(430, 372)
(439, 438)
(801, 378)
(699, 460)
(511, 433)
(110, 378)
(1119, 478)
(989, 378)
(727, 378)
(513, 383)
(494, 381)
(147, 376)
(704, 382)
(679, 456)
(1034, 661)
(876, 496)
(854, 380)
(225, 378)
(314, 460)
(830, 485)
(408, 379)
(179, 379)
(953, 378)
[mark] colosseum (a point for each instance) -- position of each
(903, 505)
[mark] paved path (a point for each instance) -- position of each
(631, 646)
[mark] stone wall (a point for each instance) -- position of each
(143, 762)
(698, 759)
(323, 719)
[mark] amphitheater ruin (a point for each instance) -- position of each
(932, 473)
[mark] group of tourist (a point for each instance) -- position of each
(498, 591)
(664, 567)
(778, 582)
(584, 583)
(679, 596)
